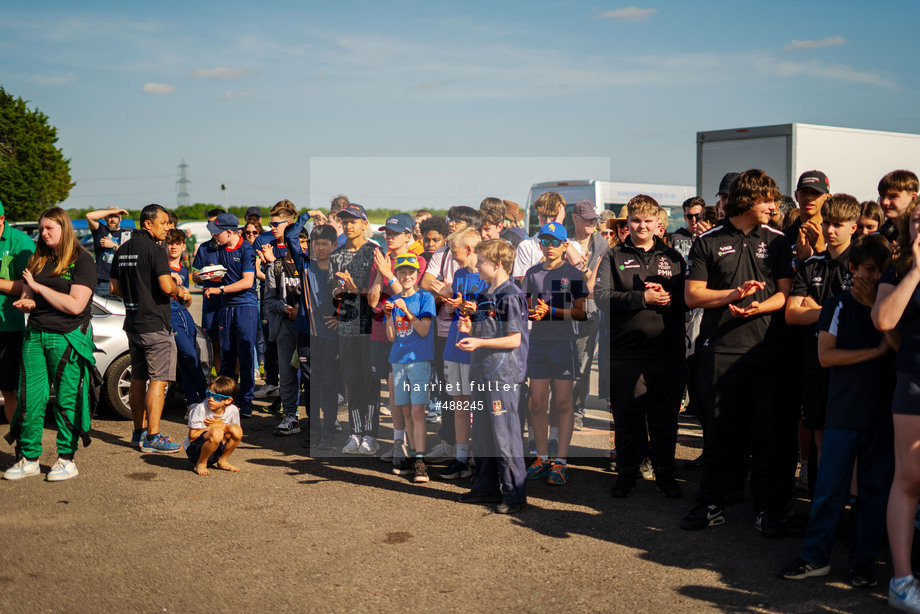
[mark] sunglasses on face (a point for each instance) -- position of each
(692, 216)
(607, 233)
(553, 242)
(217, 397)
(276, 224)
(621, 224)
(251, 233)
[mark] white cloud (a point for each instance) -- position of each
(159, 88)
(817, 69)
(628, 13)
(53, 78)
(232, 95)
(830, 41)
(221, 72)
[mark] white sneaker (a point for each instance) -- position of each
(23, 469)
(352, 445)
(289, 426)
(369, 446)
(905, 596)
(440, 453)
(266, 391)
(62, 470)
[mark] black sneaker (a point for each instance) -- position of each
(479, 497)
(668, 486)
(510, 508)
(703, 516)
(421, 471)
(455, 470)
(769, 526)
(625, 484)
(406, 467)
(862, 575)
(799, 569)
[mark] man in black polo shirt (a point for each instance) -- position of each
(740, 273)
(141, 276)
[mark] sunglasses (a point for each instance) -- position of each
(621, 224)
(553, 242)
(607, 233)
(405, 259)
(692, 216)
(276, 224)
(250, 233)
(217, 397)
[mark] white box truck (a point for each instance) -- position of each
(609, 195)
(853, 160)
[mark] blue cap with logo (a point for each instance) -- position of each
(352, 210)
(555, 230)
(401, 222)
(224, 221)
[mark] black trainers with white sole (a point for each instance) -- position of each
(703, 516)
(799, 569)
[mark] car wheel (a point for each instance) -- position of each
(116, 386)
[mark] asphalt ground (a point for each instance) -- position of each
(139, 532)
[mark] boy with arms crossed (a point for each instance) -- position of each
(641, 285)
(555, 292)
(214, 429)
(498, 363)
(740, 273)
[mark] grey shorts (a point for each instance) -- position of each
(153, 356)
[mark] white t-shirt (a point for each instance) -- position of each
(435, 265)
(530, 254)
(199, 413)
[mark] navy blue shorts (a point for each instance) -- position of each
(906, 395)
(194, 451)
(551, 360)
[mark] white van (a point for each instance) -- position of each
(609, 195)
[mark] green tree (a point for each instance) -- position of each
(34, 174)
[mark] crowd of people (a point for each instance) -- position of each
(498, 330)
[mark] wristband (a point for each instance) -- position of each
(552, 313)
(392, 279)
(221, 289)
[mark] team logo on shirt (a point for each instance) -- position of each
(847, 281)
(762, 251)
(497, 408)
(564, 284)
(629, 264)
(817, 281)
(403, 327)
(726, 249)
(664, 268)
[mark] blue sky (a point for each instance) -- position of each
(265, 97)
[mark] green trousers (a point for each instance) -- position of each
(48, 357)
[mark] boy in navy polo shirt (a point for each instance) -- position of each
(210, 305)
(408, 326)
(498, 343)
(740, 273)
(555, 292)
(858, 426)
(239, 311)
(640, 283)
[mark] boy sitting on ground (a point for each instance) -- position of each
(214, 429)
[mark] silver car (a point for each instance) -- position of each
(113, 360)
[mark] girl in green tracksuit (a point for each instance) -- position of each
(58, 346)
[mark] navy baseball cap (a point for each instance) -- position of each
(254, 211)
(726, 183)
(815, 180)
(224, 221)
(555, 230)
(401, 222)
(353, 210)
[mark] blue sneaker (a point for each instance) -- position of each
(538, 469)
(160, 445)
(558, 474)
(137, 438)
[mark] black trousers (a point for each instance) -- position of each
(740, 403)
(324, 396)
(360, 384)
(646, 395)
